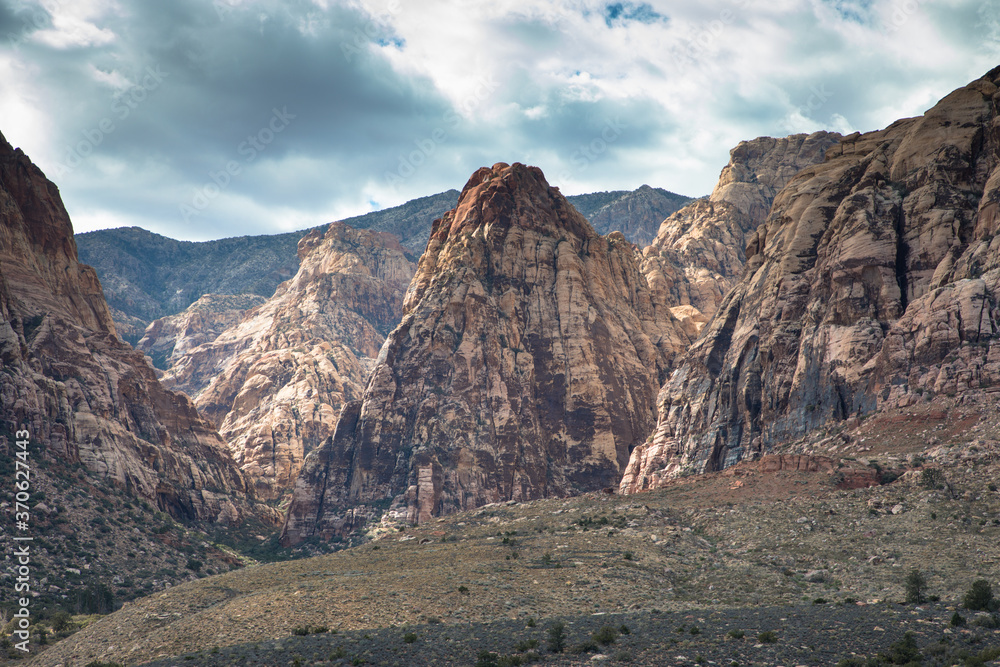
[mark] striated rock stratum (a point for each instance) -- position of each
(526, 365)
(873, 284)
(275, 382)
(697, 255)
(169, 338)
(83, 395)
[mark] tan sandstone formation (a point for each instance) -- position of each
(527, 365)
(82, 394)
(168, 338)
(697, 255)
(275, 382)
(873, 284)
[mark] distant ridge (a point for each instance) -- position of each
(147, 276)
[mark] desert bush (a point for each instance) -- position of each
(410, 637)
(768, 637)
(61, 620)
(557, 637)
(736, 634)
(980, 597)
(606, 635)
(957, 620)
(902, 652)
(916, 587)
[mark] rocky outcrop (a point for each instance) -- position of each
(82, 394)
(275, 382)
(637, 214)
(171, 337)
(874, 283)
(697, 255)
(526, 365)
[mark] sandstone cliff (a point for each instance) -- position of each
(168, 338)
(873, 284)
(83, 394)
(697, 255)
(527, 365)
(275, 382)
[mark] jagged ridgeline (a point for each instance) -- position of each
(526, 365)
(873, 285)
(83, 395)
(146, 276)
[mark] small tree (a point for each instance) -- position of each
(980, 596)
(916, 587)
(557, 637)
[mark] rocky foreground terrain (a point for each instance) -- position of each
(760, 547)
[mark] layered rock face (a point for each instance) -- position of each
(697, 255)
(82, 393)
(527, 365)
(873, 284)
(168, 338)
(275, 382)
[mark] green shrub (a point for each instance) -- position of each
(916, 587)
(980, 596)
(902, 652)
(486, 659)
(300, 631)
(61, 620)
(586, 646)
(768, 637)
(957, 620)
(557, 637)
(624, 629)
(606, 635)
(410, 637)
(736, 634)
(527, 645)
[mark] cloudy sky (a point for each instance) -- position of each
(201, 119)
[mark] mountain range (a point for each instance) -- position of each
(638, 413)
(146, 276)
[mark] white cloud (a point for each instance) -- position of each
(396, 99)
